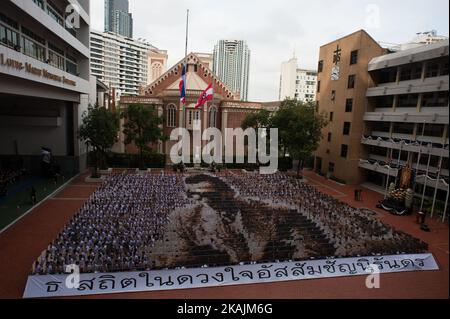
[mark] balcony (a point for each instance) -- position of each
(379, 167)
(410, 146)
(410, 87)
(416, 117)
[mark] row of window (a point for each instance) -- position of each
(431, 99)
(350, 83)
(433, 68)
(192, 115)
(55, 13)
(353, 60)
(32, 45)
(430, 130)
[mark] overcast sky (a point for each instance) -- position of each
(274, 29)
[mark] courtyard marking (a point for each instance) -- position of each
(59, 189)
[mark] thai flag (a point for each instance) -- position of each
(207, 95)
(183, 86)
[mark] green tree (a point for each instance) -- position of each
(142, 127)
(256, 120)
(299, 129)
(99, 130)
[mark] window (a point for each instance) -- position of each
(331, 116)
(197, 115)
(213, 117)
(381, 127)
(432, 69)
(333, 95)
(320, 66)
(329, 137)
(433, 130)
(40, 3)
(344, 150)
(408, 100)
(388, 75)
(351, 81)
(171, 116)
(190, 117)
(33, 49)
(403, 128)
(331, 167)
(349, 106)
(9, 37)
(347, 128)
(55, 13)
(436, 99)
(354, 57)
(318, 86)
(411, 72)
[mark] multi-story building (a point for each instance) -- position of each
(421, 38)
(125, 64)
(232, 65)
(407, 117)
(45, 82)
(297, 83)
(118, 18)
(341, 96)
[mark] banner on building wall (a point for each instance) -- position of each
(108, 283)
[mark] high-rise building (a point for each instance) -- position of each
(45, 82)
(118, 19)
(232, 65)
(406, 120)
(125, 64)
(341, 96)
(295, 83)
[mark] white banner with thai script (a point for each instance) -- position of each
(108, 283)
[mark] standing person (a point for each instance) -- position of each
(33, 196)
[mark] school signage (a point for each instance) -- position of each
(108, 283)
(31, 69)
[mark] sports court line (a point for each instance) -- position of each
(87, 186)
(74, 199)
(39, 204)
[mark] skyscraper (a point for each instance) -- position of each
(117, 18)
(232, 65)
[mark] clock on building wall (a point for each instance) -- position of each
(335, 73)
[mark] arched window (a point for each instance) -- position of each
(171, 115)
(213, 116)
(156, 71)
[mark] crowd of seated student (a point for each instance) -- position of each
(117, 227)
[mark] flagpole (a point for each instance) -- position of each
(183, 105)
(398, 162)
(437, 182)
(446, 205)
(419, 157)
(426, 178)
